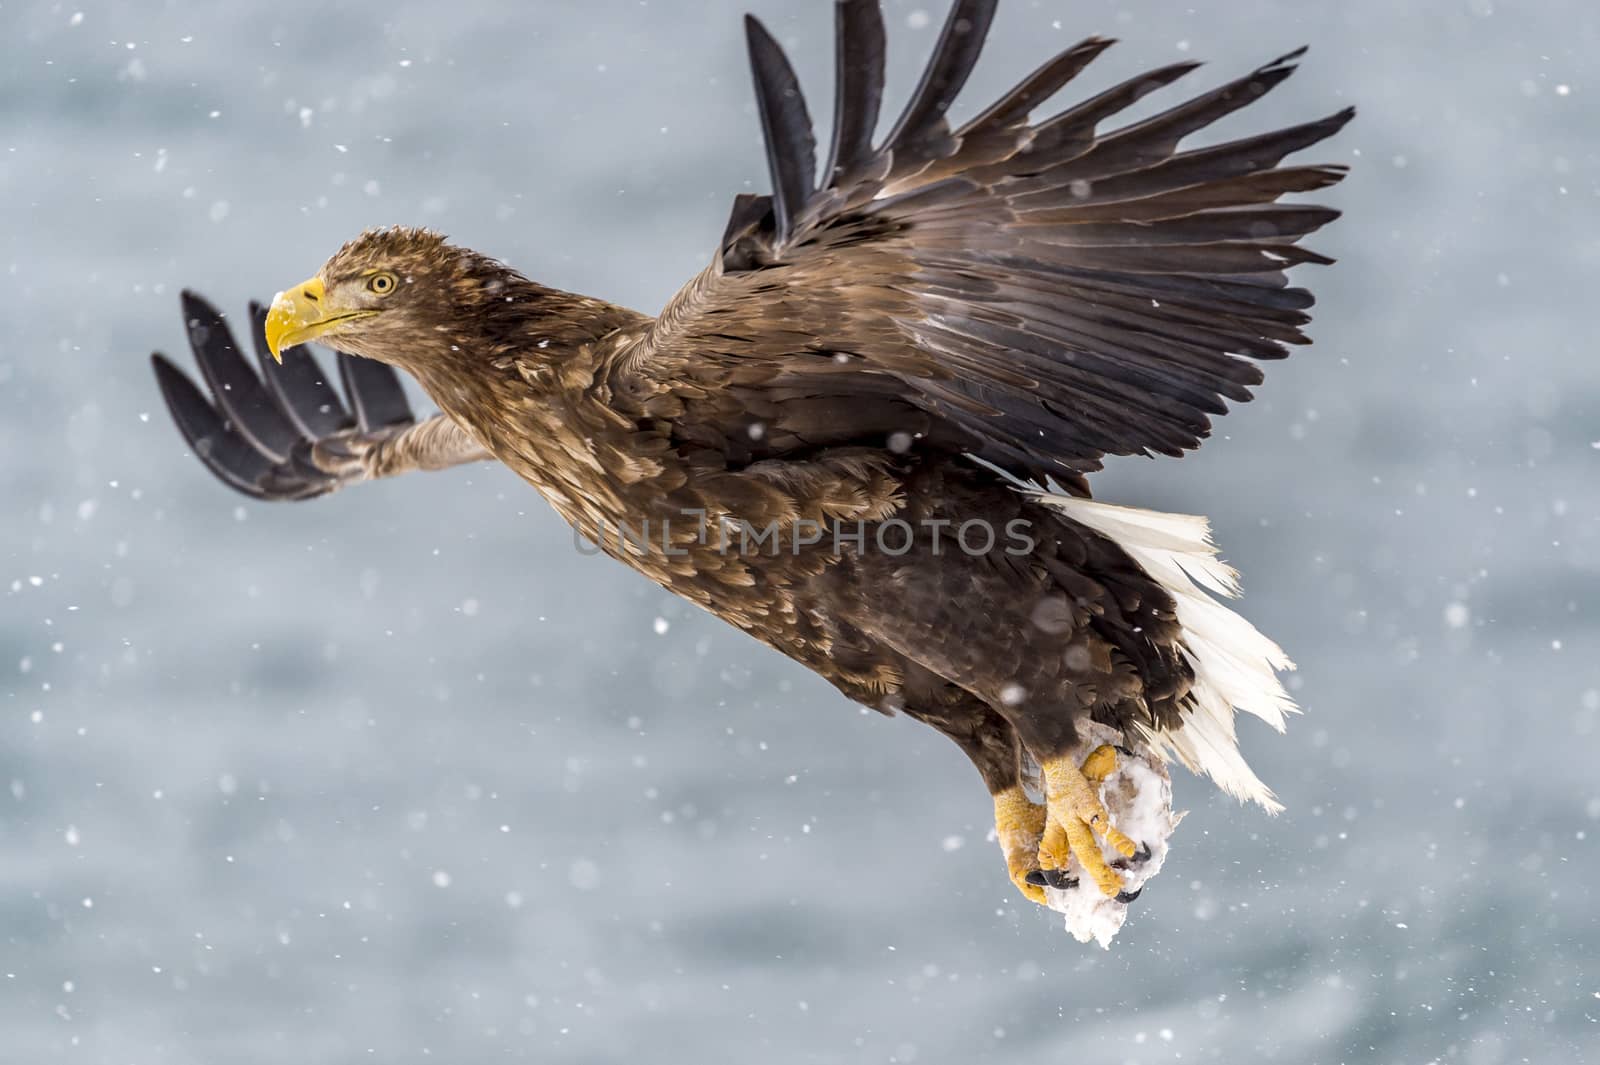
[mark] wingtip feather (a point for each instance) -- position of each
(785, 125)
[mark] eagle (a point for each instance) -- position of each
(862, 434)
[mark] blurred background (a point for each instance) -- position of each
(399, 776)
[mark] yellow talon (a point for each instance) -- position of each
(1101, 763)
(1076, 816)
(1019, 824)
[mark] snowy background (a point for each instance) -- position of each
(398, 776)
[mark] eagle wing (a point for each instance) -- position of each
(1038, 294)
(286, 434)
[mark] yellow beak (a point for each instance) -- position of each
(302, 313)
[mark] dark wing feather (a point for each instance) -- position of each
(1072, 132)
(285, 434)
(225, 452)
(1015, 106)
(241, 398)
(375, 392)
(859, 51)
(1038, 294)
(791, 146)
(922, 133)
(1157, 137)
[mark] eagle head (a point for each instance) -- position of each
(395, 295)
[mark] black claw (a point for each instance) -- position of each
(375, 392)
(1139, 857)
(1129, 896)
(1055, 878)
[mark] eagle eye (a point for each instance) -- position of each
(381, 284)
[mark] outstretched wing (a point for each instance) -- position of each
(1039, 294)
(286, 434)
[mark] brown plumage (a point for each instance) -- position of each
(1033, 294)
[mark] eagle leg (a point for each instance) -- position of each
(1076, 816)
(1019, 825)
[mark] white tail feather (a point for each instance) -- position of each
(1235, 666)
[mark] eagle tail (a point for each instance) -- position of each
(1235, 666)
